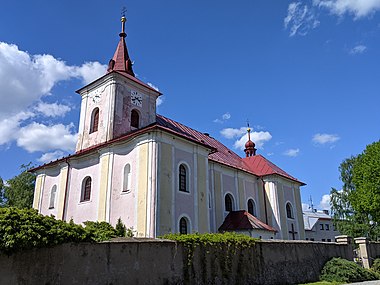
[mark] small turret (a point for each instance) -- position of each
(250, 149)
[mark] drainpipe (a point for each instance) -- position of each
(66, 189)
(265, 202)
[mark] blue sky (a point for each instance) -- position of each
(304, 73)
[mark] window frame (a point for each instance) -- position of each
(133, 118)
(253, 206)
(86, 189)
(53, 197)
(289, 210)
(94, 124)
(185, 225)
(230, 202)
(127, 179)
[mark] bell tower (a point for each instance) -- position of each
(116, 103)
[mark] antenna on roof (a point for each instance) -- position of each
(311, 206)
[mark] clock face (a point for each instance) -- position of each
(95, 96)
(136, 98)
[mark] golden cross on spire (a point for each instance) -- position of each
(123, 19)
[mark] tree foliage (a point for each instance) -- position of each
(356, 208)
(18, 191)
(22, 229)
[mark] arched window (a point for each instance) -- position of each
(289, 211)
(86, 189)
(228, 203)
(183, 226)
(251, 207)
(182, 176)
(94, 120)
(52, 197)
(127, 182)
(135, 119)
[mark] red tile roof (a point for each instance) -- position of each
(242, 220)
(257, 165)
(262, 167)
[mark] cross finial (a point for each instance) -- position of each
(123, 20)
(248, 130)
(123, 10)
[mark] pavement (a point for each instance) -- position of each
(375, 282)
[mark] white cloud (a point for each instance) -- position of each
(159, 101)
(293, 152)
(358, 49)
(89, 71)
(357, 8)
(52, 110)
(323, 139)
(259, 138)
(324, 204)
(153, 86)
(39, 137)
(305, 207)
(231, 133)
(9, 126)
(50, 156)
(25, 78)
(225, 117)
(300, 19)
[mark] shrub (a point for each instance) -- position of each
(376, 265)
(342, 270)
(121, 229)
(100, 231)
(24, 229)
(227, 238)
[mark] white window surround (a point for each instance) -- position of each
(53, 194)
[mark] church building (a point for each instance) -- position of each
(158, 175)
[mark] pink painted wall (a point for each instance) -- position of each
(123, 203)
(51, 179)
(83, 211)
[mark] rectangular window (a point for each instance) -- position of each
(321, 227)
(327, 227)
(312, 239)
(329, 239)
(323, 239)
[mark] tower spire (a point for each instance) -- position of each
(121, 61)
(250, 149)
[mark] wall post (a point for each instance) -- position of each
(364, 252)
(347, 241)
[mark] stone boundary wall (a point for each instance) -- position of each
(143, 261)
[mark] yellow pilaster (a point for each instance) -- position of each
(242, 202)
(297, 197)
(62, 190)
(203, 219)
(218, 199)
(38, 190)
(165, 190)
(103, 186)
(142, 191)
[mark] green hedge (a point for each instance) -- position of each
(342, 270)
(22, 229)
